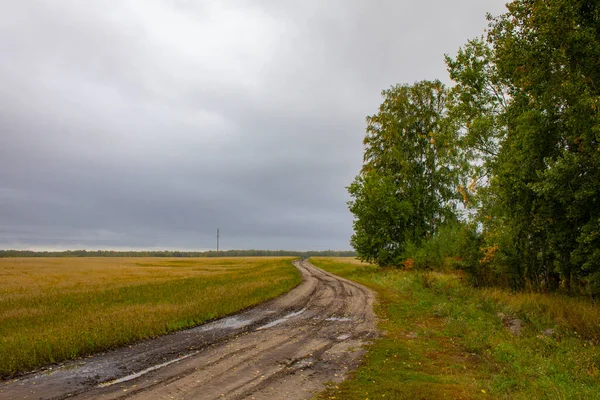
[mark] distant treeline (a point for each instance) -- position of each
(168, 253)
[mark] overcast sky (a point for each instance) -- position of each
(150, 123)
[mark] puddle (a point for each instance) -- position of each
(305, 363)
(145, 371)
(344, 337)
(280, 320)
(294, 314)
(226, 323)
(338, 319)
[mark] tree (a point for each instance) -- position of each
(477, 107)
(541, 201)
(407, 185)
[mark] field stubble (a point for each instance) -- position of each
(53, 310)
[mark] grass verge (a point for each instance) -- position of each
(55, 309)
(445, 339)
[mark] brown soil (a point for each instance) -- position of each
(287, 348)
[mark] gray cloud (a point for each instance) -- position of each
(144, 124)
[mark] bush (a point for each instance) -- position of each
(455, 245)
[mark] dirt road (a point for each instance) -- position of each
(286, 348)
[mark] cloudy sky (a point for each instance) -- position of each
(150, 123)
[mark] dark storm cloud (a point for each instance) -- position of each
(141, 124)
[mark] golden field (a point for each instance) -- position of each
(54, 309)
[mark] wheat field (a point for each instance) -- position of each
(55, 309)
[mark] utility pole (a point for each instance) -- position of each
(218, 242)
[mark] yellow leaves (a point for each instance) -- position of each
(463, 191)
(470, 189)
(488, 253)
(472, 184)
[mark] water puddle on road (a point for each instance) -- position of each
(281, 320)
(145, 371)
(339, 319)
(226, 323)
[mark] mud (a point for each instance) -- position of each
(287, 348)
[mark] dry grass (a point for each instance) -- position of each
(54, 309)
(343, 265)
(569, 314)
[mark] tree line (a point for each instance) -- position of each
(497, 174)
(168, 253)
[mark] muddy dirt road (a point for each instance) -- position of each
(286, 348)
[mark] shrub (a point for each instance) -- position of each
(455, 245)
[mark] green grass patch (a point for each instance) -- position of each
(446, 339)
(54, 309)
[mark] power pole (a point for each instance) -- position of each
(218, 242)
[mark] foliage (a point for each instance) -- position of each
(454, 245)
(406, 187)
(523, 123)
(543, 199)
(478, 102)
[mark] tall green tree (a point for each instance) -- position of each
(477, 107)
(532, 92)
(407, 186)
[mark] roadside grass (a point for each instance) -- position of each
(445, 339)
(55, 309)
